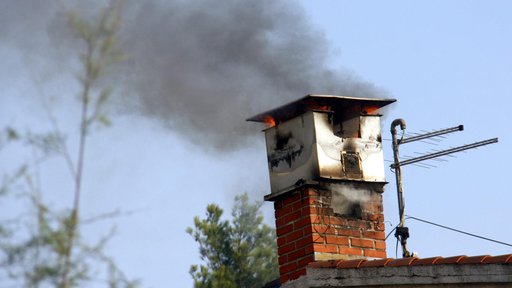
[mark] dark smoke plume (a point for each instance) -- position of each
(202, 67)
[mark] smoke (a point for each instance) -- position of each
(350, 201)
(202, 67)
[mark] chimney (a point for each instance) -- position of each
(326, 171)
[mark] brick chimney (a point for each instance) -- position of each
(309, 229)
(326, 172)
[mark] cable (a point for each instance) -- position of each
(459, 231)
(390, 233)
(396, 249)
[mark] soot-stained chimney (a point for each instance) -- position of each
(326, 177)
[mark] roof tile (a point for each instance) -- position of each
(451, 260)
(324, 264)
(376, 263)
(413, 261)
(351, 263)
(402, 262)
(427, 261)
(498, 259)
(474, 259)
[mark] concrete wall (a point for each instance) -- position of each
(467, 276)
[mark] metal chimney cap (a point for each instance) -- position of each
(318, 102)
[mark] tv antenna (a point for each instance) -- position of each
(402, 232)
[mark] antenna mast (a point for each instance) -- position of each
(402, 232)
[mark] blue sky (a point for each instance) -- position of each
(446, 62)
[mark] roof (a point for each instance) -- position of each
(319, 102)
(413, 261)
(458, 271)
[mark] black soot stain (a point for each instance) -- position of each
(286, 150)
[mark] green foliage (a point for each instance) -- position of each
(39, 259)
(101, 51)
(35, 257)
(241, 253)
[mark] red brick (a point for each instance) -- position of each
(280, 231)
(351, 251)
(313, 219)
(307, 210)
(281, 241)
(318, 238)
(380, 245)
(308, 230)
(320, 229)
(377, 235)
(297, 206)
(297, 274)
(305, 226)
(359, 224)
(323, 229)
(309, 249)
(296, 254)
(375, 253)
(286, 248)
(340, 221)
(319, 219)
(304, 221)
(375, 217)
(280, 222)
(349, 232)
(308, 239)
(304, 261)
(283, 278)
(324, 211)
(288, 218)
(325, 248)
(351, 223)
(311, 192)
(292, 198)
(365, 243)
(281, 212)
(339, 240)
(287, 268)
(310, 200)
(294, 236)
(313, 210)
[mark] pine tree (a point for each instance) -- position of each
(241, 253)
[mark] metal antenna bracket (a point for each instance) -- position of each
(402, 232)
